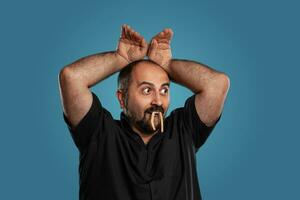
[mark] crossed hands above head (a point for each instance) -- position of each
(132, 46)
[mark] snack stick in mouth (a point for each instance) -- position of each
(152, 120)
(161, 121)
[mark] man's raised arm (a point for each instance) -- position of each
(76, 78)
(209, 85)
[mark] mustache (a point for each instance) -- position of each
(155, 108)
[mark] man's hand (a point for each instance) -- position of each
(132, 46)
(160, 48)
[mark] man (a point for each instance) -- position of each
(144, 155)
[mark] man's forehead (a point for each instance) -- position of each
(139, 83)
(150, 73)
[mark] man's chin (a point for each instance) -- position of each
(146, 128)
(144, 125)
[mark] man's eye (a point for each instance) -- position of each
(146, 90)
(164, 91)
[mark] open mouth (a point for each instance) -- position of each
(158, 114)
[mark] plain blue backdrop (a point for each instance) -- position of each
(253, 153)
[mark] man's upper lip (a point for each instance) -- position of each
(150, 112)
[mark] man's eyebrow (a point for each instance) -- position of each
(148, 83)
(166, 84)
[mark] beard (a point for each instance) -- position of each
(144, 124)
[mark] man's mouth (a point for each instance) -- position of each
(157, 114)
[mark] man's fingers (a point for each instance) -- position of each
(123, 34)
(164, 36)
(144, 43)
(153, 46)
(136, 37)
(168, 33)
(127, 32)
(159, 35)
(133, 35)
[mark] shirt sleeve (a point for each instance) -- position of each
(89, 124)
(193, 124)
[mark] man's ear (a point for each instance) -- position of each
(121, 96)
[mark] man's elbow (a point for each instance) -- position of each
(66, 74)
(219, 85)
(224, 82)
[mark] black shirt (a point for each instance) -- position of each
(115, 164)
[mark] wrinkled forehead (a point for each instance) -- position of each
(149, 72)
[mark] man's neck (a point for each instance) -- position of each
(145, 137)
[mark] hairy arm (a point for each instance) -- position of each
(76, 78)
(209, 85)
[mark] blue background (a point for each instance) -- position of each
(253, 153)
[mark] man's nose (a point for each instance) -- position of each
(157, 99)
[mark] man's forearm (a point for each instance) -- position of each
(92, 69)
(195, 76)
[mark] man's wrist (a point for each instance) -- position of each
(166, 66)
(121, 59)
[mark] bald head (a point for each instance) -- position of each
(138, 67)
(147, 66)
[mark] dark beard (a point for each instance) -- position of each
(144, 125)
